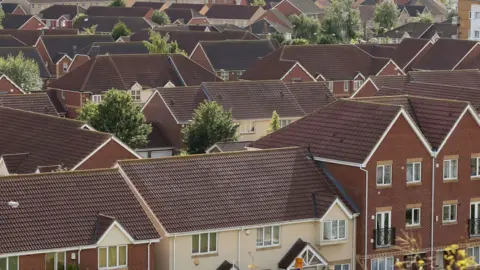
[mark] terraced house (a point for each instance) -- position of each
(410, 163)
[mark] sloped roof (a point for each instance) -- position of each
(344, 130)
(196, 7)
(15, 21)
(154, 5)
(117, 11)
(64, 137)
(264, 26)
(407, 49)
(89, 193)
(237, 12)
(414, 30)
(182, 101)
(105, 24)
(157, 138)
(34, 102)
(391, 81)
(436, 58)
(296, 186)
(182, 14)
(413, 10)
(10, 41)
(71, 44)
(231, 146)
(100, 48)
(30, 53)
(56, 11)
(30, 37)
(235, 54)
(307, 7)
(434, 6)
(122, 71)
(463, 78)
(8, 8)
(378, 50)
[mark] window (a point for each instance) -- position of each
(63, 23)
(450, 168)
(382, 263)
(413, 217)
(341, 266)
(112, 256)
(414, 172)
(473, 252)
(284, 123)
(9, 263)
(224, 75)
(96, 99)
(204, 243)
(477, 15)
(268, 236)
(65, 67)
(239, 74)
(384, 174)
(477, 34)
(345, 86)
(449, 213)
(334, 230)
(475, 167)
(357, 84)
(247, 127)
(330, 85)
(136, 95)
(55, 261)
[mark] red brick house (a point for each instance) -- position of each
(23, 22)
(99, 222)
(320, 62)
(9, 87)
(462, 54)
(66, 144)
(299, 7)
(387, 153)
(13, 8)
(60, 16)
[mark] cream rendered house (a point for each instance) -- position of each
(245, 210)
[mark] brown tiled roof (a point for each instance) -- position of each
(123, 71)
(30, 53)
(232, 146)
(310, 95)
(117, 11)
(237, 12)
(378, 50)
(10, 41)
(187, 40)
(334, 62)
(436, 57)
(175, 188)
(8, 8)
(71, 44)
(182, 101)
(54, 12)
(105, 24)
(182, 14)
(13, 162)
(292, 253)
(390, 81)
(389, 91)
(63, 142)
(30, 37)
(39, 103)
(434, 117)
(196, 7)
(344, 130)
(76, 199)
(157, 138)
(407, 49)
(15, 21)
(98, 48)
(235, 54)
(154, 5)
(464, 78)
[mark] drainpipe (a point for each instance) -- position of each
(238, 252)
(174, 247)
(78, 259)
(433, 208)
(366, 218)
(354, 244)
(148, 255)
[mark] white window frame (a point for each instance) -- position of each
(8, 260)
(285, 122)
(262, 230)
(65, 67)
(419, 211)
(346, 86)
(224, 75)
(448, 163)
(385, 261)
(55, 266)
(413, 178)
(208, 245)
(117, 263)
(474, 252)
(136, 95)
(343, 266)
(330, 85)
(450, 207)
(357, 84)
(477, 167)
(247, 127)
(477, 15)
(96, 99)
(330, 236)
(383, 166)
(476, 34)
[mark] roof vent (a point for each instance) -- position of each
(13, 204)
(172, 102)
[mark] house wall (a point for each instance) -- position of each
(78, 60)
(261, 128)
(264, 258)
(19, 11)
(72, 101)
(473, 54)
(366, 90)
(32, 24)
(107, 156)
(403, 18)
(59, 67)
(418, 57)
(42, 50)
(390, 69)
(464, 7)
(199, 56)
(7, 87)
(297, 74)
(239, 23)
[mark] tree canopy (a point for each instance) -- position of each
(117, 3)
(23, 71)
(160, 17)
(306, 28)
(386, 14)
(425, 17)
(274, 124)
(258, 3)
(210, 124)
(159, 44)
(90, 30)
(119, 115)
(2, 16)
(341, 23)
(119, 30)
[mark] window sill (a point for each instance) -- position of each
(446, 223)
(211, 254)
(473, 178)
(417, 183)
(247, 133)
(113, 267)
(268, 247)
(333, 242)
(384, 186)
(450, 180)
(413, 227)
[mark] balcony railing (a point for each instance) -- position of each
(474, 227)
(384, 237)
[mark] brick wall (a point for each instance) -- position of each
(32, 262)
(201, 58)
(107, 156)
(297, 73)
(32, 24)
(367, 90)
(7, 87)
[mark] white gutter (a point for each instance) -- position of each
(433, 209)
(148, 255)
(366, 217)
(354, 244)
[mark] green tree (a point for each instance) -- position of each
(210, 124)
(298, 41)
(341, 23)
(258, 3)
(2, 15)
(386, 14)
(307, 28)
(279, 37)
(117, 3)
(23, 71)
(80, 17)
(90, 30)
(159, 44)
(160, 17)
(119, 30)
(425, 17)
(119, 115)
(274, 124)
